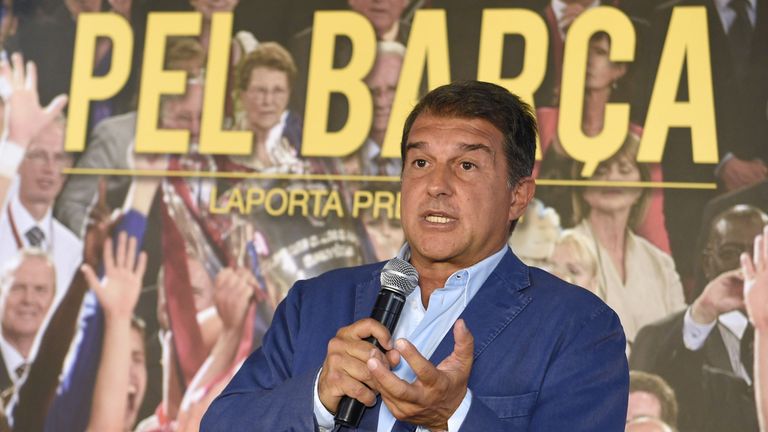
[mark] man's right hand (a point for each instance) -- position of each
(725, 293)
(738, 173)
(345, 372)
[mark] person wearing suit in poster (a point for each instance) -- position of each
(703, 351)
(484, 342)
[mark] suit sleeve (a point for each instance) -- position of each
(585, 388)
(78, 193)
(265, 391)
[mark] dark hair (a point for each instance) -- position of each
(495, 104)
(655, 385)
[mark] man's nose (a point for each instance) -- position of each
(440, 181)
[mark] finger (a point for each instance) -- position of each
(90, 276)
(393, 357)
(747, 267)
(370, 327)
(141, 265)
(757, 252)
(357, 349)
(109, 257)
(357, 390)
(764, 255)
(102, 197)
(130, 258)
(30, 82)
(425, 371)
(388, 384)
(122, 238)
(18, 70)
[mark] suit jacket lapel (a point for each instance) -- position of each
(494, 306)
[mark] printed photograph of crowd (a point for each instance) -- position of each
(126, 304)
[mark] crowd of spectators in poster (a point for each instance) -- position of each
(186, 295)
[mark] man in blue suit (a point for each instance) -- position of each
(527, 351)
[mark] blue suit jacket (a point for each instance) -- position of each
(548, 356)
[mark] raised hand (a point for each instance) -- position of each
(98, 228)
(437, 392)
(756, 282)
(119, 291)
(722, 294)
(232, 295)
(24, 117)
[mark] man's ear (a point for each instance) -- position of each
(522, 194)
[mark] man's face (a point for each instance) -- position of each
(266, 98)
(643, 404)
(382, 81)
(456, 201)
(208, 7)
(731, 237)
(184, 113)
(40, 172)
(137, 383)
(383, 14)
(28, 297)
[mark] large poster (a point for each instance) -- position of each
(249, 144)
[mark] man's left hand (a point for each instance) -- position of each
(437, 392)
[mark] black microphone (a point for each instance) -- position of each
(398, 280)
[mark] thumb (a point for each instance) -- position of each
(90, 277)
(464, 342)
(55, 107)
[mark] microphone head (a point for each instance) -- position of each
(399, 276)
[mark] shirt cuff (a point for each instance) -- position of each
(458, 416)
(323, 417)
(695, 334)
(11, 155)
(719, 168)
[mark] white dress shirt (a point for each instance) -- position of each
(12, 359)
(63, 245)
(425, 329)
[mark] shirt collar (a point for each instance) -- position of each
(472, 277)
(723, 4)
(735, 322)
(24, 220)
(12, 358)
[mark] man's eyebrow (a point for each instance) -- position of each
(414, 145)
(473, 147)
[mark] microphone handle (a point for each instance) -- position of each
(387, 310)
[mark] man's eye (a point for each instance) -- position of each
(466, 166)
(420, 163)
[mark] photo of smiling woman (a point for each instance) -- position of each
(640, 281)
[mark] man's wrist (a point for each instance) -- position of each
(702, 313)
(11, 155)
(323, 417)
